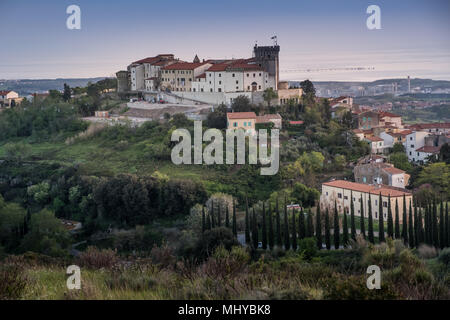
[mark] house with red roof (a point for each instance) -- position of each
(9, 98)
(180, 76)
(241, 120)
(376, 144)
(345, 192)
(380, 173)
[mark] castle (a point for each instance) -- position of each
(211, 81)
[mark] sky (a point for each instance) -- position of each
(328, 35)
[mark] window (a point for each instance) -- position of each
(326, 193)
(260, 74)
(210, 90)
(220, 82)
(385, 204)
(376, 215)
(376, 202)
(245, 124)
(364, 179)
(220, 75)
(248, 75)
(254, 75)
(235, 124)
(237, 82)
(220, 89)
(412, 146)
(249, 124)
(259, 87)
(232, 75)
(340, 195)
(345, 198)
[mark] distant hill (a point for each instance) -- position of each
(27, 86)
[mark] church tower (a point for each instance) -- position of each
(267, 58)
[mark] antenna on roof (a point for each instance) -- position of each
(275, 39)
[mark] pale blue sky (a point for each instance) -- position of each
(414, 38)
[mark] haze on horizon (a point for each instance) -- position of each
(323, 34)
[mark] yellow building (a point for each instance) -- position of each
(241, 120)
(179, 76)
(343, 192)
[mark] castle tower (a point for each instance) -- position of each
(267, 58)
(196, 59)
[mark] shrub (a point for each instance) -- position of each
(308, 247)
(130, 281)
(444, 256)
(211, 239)
(426, 252)
(95, 258)
(13, 281)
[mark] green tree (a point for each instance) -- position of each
(271, 235)
(234, 219)
(400, 160)
(227, 217)
(287, 244)
(254, 230)
(318, 228)
(309, 225)
(67, 93)
(380, 220)
(390, 221)
(219, 217)
(294, 232)
(278, 222)
(308, 88)
(370, 231)
(301, 225)
(345, 230)
(247, 224)
(264, 228)
(398, 147)
(352, 218)
(336, 231)
(203, 219)
(410, 226)
(442, 232)
(327, 230)
(397, 220)
(268, 95)
(363, 219)
(416, 225)
(420, 228)
(435, 231)
(241, 104)
(447, 224)
(405, 222)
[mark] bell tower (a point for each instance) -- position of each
(267, 57)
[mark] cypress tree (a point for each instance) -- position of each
(397, 221)
(352, 217)
(234, 219)
(442, 232)
(336, 231)
(209, 222)
(345, 229)
(318, 228)
(371, 236)
(416, 224)
(287, 244)
(278, 222)
(309, 225)
(227, 217)
(254, 230)
(271, 235)
(247, 224)
(390, 222)
(410, 226)
(427, 224)
(404, 222)
(203, 219)
(435, 225)
(294, 232)
(264, 228)
(327, 230)
(219, 216)
(447, 225)
(213, 220)
(363, 219)
(380, 220)
(301, 225)
(421, 235)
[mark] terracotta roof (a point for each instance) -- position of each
(389, 114)
(267, 118)
(183, 66)
(296, 122)
(429, 149)
(232, 65)
(374, 139)
(203, 75)
(4, 93)
(430, 125)
(241, 115)
(372, 189)
(393, 170)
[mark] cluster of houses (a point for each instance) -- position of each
(382, 130)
